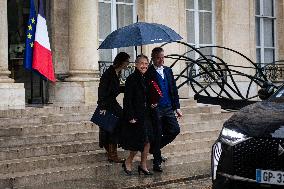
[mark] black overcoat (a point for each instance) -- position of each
(136, 106)
(109, 89)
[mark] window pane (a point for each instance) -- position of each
(206, 51)
(257, 7)
(124, 15)
(205, 5)
(257, 31)
(128, 50)
(258, 57)
(190, 26)
(205, 28)
(104, 20)
(268, 7)
(105, 54)
(268, 55)
(268, 32)
(190, 4)
(125, 1)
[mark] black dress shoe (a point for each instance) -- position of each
(128, 172)
(157, 168)
(164, 159)
(145, 172)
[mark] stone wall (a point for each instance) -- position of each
(280, 29)
(238, 32)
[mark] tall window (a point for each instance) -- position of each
(114, 14)
(265, 30)
(200, 24)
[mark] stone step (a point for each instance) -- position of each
(202, 126)
(188, 156)
(102, 171)
(24, 130)
(48, 149)
(46, 139)
(201, 109)
(197, 135)
(188, 145)
(39, 120)
(187, 102)
(63, 118)
(46, 162)
(6, 122)
(201, 117)
(45, 111)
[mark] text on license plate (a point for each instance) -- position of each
(270, 177)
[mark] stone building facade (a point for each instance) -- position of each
(74, 29)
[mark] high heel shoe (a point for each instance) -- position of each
(125, 169)
(144, 171)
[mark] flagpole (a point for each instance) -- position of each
(41, 90)
(32, 87)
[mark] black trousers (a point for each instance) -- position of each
(165, 130)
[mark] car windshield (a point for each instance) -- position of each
(278, 96)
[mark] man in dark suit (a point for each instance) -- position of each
(167, 127)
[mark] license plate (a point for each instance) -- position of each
(270, 177)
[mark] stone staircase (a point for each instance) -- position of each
(55, 144)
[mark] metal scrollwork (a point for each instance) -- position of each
(273, 71)
(104, 65)
(126, 72)
(214, 81)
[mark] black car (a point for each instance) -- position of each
(249, 153)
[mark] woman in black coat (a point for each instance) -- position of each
(109, 89)
(137, 132)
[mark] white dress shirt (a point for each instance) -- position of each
(160, 71)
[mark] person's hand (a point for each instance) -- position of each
(132, 121)
(179, 113)
(103, 112)
(154, 105)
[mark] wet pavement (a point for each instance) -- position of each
(173, 177)
(193, 184)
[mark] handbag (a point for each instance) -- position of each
(107, 121)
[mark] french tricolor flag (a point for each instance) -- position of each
(42, 57)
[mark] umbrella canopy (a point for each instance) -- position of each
(140, 33)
